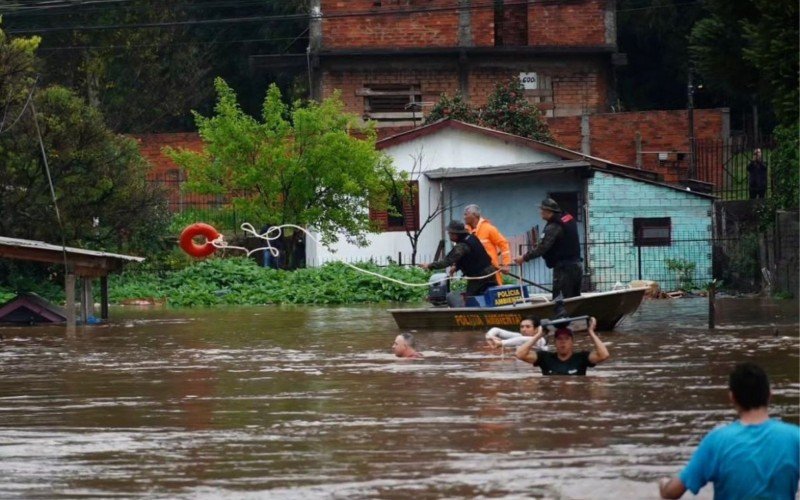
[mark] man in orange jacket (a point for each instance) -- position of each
(493, 240)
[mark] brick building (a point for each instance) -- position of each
(392, 59)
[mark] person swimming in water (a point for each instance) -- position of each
(528, 327)
(405, 347)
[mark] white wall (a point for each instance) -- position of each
(445, 148)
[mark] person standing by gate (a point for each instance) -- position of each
(757, 176)
(560, 249)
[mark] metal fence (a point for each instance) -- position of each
(686, 263)
(723, 163)
(192, 205)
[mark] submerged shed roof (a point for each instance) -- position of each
(85, 262)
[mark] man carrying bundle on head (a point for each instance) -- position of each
(564, 361)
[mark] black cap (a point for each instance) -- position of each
(456, 227)
(550, 204)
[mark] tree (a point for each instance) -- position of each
(100, 182)
(748, 49)
(308, 164)
(161, 55)
(507, 110)
(99, 178)
(654, 35)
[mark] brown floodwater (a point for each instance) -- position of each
(308, 402)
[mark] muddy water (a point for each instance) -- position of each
(277, 402)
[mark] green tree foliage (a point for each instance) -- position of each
(455, 108)
(785, 167)
(99, 177)
(147, 63)
(507, 110)
(654, 36)
(749, 48)
(309, 165)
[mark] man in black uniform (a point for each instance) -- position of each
(469, 257)
(561, 250)
(564, 361)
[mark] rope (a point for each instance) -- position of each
(275, 232)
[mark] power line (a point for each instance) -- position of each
(145, 45)
(303, 16)
(288, 17)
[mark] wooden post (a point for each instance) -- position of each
(712, 291)
(69, 285)
(87, 301)
(104, 297)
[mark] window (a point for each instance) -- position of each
(392, 105)
(569, 201)
(403, 212)
(652, 231)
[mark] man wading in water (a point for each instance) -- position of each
(565, 361)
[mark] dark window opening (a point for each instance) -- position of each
(402, 213)
(569, 201)
(652, 231)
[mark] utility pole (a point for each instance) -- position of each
(690, 115)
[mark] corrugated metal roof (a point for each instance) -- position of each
(40, 245)
(515, 168)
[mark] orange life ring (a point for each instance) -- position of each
(198, 229)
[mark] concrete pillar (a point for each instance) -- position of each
(314, 46)
(586, 135)
(87, 301)
(464, 23)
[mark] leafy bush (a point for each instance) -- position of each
(240, 280)
(685, 270)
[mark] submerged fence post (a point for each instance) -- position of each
(712, 292)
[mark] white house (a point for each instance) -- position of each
(456, 164)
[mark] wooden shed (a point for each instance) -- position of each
(80, 263)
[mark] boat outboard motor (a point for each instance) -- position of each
(438, 288)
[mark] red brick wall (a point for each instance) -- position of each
(567, 23)
(151, 145)
(398, 30)
(575, 87)
(613, 136)
(432, 83)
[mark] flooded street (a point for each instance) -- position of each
(303, 402)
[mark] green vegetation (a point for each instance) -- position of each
(104, 200)
(241, 281)
(507, 109)
(309, 164)
(685, 270)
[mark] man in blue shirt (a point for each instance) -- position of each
(755, 457)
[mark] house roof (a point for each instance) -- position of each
(86, 262)
(592, 162)
(516, 168)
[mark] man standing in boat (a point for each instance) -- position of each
(560, 249)
(564, 361)
(493, 241)
(469, 257)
